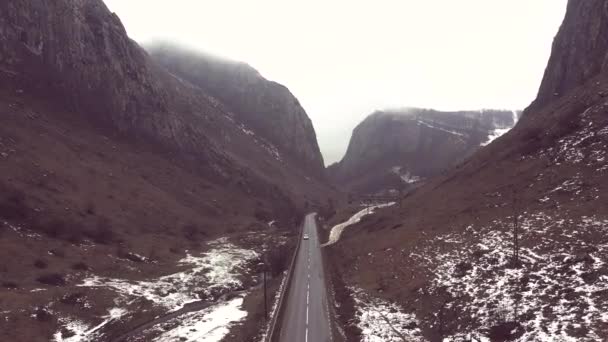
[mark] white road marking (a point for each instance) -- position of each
(307, 296)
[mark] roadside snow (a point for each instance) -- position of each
(214, 272)
(381, 321)
(80, 331)
(209, 325)
(336, 231)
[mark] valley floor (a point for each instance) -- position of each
(207, 293)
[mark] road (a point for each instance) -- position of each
(306, 316)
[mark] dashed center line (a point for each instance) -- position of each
(307, 294)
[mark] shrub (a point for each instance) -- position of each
(54, 228)
(43, 315)
(80, 266)
(192, 231)
(57, 252)
(262, 215)
(10, 285)
(40, 264)
(505, 331)
(12, 204)
(462, 269)
(72, 298)
(102, 233)
(52, 279)
(278, 259)
(90, 208)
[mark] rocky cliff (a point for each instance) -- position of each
(396, 149)
(267, 107)
(77, 55)
(579, 50)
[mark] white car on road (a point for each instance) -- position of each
(305, 236)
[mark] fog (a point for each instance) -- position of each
(344, 59)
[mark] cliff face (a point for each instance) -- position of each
(580, 50)
(389, 148)
(77, 55)
(268, 108)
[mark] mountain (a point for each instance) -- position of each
(267, 107)
(78, 57)
(113, 166)
(511, 244)
(400, 148)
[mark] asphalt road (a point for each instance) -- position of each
(306, 315)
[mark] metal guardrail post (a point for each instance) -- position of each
(272, 335)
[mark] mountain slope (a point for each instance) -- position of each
(396, 149)
(113, 168)
(446, 256)
(77, 56)
(268, 108)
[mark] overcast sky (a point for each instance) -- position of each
(345, 58)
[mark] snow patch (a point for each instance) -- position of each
(214, 272)
(381, 321)
(587, 144)
(495, 134)
(209, 325)
(336, 231)
(558, 293)
(421, 122)
(79, 331)
(406, 176)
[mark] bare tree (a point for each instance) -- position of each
(515, 206)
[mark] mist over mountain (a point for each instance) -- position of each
(266, 107)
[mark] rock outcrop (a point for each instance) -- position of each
(267, 108)
(395, 149)
(580, 50)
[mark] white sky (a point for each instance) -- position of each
(345, 58)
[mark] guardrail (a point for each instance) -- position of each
(274, 330)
